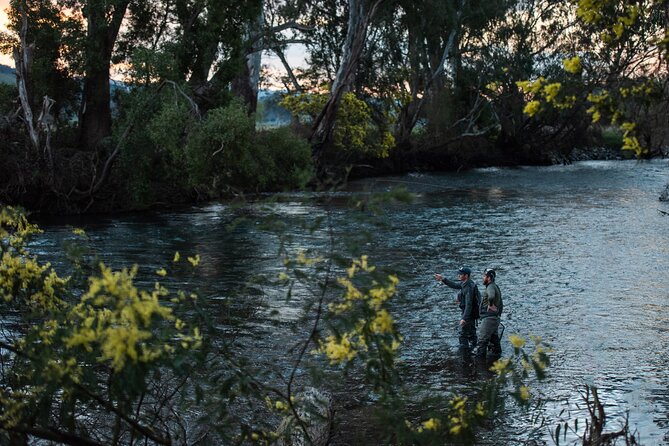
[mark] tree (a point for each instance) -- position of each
(618, 53)
(360, 14)
(103, 23)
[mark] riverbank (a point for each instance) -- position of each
(121, 194)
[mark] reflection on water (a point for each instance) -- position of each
(582, 255)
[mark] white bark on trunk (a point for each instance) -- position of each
(360, 15)
(23, 56)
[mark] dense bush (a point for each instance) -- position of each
(225, 150)
(612, 138)
(8, 99)
(176, 151)
(287, 159)
(220, 150)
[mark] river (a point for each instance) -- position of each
(581, 251)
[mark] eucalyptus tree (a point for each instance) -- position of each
(52, 38)
(103, 21)
(529, 42)
(419, 57)
(360, 14)
(213, 47)
(335, 37)
(569, 58)
(622, 51)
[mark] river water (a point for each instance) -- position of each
(582, 254)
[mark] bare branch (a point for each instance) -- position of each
(289, 70)
(289, 25)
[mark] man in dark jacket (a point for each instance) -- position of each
(466, 300)
(490, 312)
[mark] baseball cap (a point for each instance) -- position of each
(465, 270)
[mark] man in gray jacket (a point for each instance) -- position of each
(467, 301)
(489, 312)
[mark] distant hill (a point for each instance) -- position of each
(7, 75)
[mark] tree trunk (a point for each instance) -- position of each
(95, 122)
(245, 85)
(448, 64)
(23, 56)
(360, 15)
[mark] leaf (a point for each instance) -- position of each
(557, 435)
(566, 426)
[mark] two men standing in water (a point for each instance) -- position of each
(473, 305)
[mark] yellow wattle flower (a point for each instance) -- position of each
(432, 424)
(516, 341)
(572, 65)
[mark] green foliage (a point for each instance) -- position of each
(175, 150)
(56, 39)
(304, 107)
(98, 343)
(612, 138)
(620, 90)
(286, 158)
(149, 65)
(142, 165)
(355, 131)
(220, 150)
(225, 150)
(8, 98)
(169, 127)
(360, 324)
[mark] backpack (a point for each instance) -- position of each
(476, 303)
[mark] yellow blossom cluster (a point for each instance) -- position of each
(432, 424)
(23, 277)
(602, 103)
(543, 92)
(358, 265)
(365, 304)
(303, 260)
(645, 88)
(78, 231)
(537, 361)
(382, 322)
(13, 404)
(592, 12)
(116, 317)
(516, 341)
(339, 348)
(572, 65)
(57, 369)
(501, 367)
(458, 418)
(69, 327)
(14, 229)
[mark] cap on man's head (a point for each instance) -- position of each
(465, 270)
